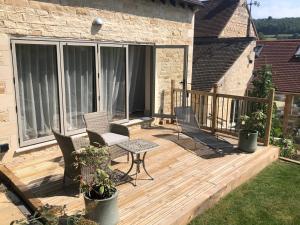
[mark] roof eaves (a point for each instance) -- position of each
(204, 40)
(195, 2)
(183, 3)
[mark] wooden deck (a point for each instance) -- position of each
(9, 209)
(187, 180)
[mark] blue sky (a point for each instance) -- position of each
(277, 9)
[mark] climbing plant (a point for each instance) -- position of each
(261, 86)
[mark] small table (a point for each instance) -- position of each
(138, 147)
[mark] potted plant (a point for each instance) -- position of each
(100, 193)
(251, 127)
(53, 215)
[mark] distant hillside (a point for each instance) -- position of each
(270, 26)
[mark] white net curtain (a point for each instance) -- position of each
(39, 94)
(38, 90)
(80, 84)
(113, 82)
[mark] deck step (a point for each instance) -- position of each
(242, 174)
(135, 125)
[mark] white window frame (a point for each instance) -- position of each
(297, 53)
(61, 88)
(23, 142)
(61, 46)
(126, 79)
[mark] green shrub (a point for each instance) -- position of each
(287, 147)
(256, 121)
(53, 215)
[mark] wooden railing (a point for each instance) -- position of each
(222, 112)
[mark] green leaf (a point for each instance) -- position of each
(101, 190)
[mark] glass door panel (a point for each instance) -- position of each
(37, 91)
(80, 84)
(113, 93)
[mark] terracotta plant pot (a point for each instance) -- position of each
(104, 212)
(248, 140)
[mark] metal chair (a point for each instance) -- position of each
(187, 124)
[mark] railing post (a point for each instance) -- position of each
(287, 112)
(214, 112)
(172, 97)
(269, 116)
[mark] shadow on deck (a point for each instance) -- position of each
(188, 178)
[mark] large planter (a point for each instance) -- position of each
(248, 140)
(104, 212)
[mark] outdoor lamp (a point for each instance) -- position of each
(98, 21)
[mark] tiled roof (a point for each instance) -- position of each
(285, 66)
(212, 59)
(211, 19)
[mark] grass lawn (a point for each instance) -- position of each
(272, 197)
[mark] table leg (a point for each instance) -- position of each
(131, 166)
(144, 166)
(138, 163)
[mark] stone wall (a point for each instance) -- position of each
(168, 62)
(127, 21)
(8, 116)
(237, 77)
(124, 21)
(237, 26)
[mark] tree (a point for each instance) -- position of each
(271, 26)
(261, 36)
(296, 36)
(262, 82)
(262, 85)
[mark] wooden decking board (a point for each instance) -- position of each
(155, 195)
(186, 180)
(159, 195)
(214, 196)
(173, 205)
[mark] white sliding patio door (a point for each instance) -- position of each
(113, 82)
(37, 86)
(57, 82)
(80, 89)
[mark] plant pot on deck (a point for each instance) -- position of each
(248, 140)
(104, 211)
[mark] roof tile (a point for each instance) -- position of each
(286, 68)
(212, 59)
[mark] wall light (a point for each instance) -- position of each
(98, 21)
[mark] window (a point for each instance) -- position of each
(57, 82)
(113, 82)
(80, 84)
(297, 54)
(258, 49)
(37, 90)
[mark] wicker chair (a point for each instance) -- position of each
(68, 146)
(101, 132)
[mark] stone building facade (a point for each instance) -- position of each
(233, 58)
(135, 22)
(225, 38)
(238, 24)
